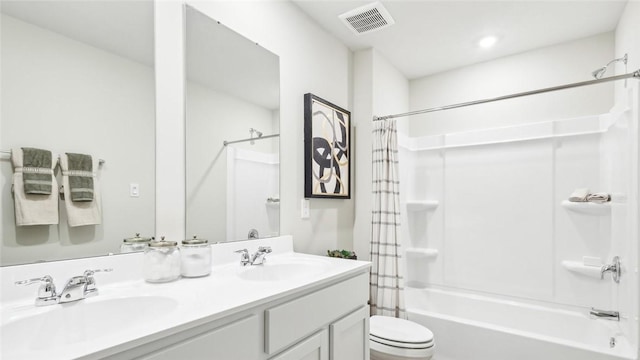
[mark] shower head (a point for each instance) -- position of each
(254, 131)
(599, 73)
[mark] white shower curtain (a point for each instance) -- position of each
(386, 281)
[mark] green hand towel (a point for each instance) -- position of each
(36, 171)
(80, 176)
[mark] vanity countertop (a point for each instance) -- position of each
(129, 311)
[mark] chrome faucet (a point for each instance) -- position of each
(614, 268)
(256, 259)
(76, 288)
(244, 257)
(47, 291)
(260, 256)
(604, 314)
(90, 289)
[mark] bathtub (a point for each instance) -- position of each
(481, 327)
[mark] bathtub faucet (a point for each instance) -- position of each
(604, 314)
(614, 268)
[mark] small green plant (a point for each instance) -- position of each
(344, 254)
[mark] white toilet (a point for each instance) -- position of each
(395, 339)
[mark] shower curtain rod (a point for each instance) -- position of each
(635, 74)
(225, 143)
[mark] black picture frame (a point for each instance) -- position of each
(327, 149)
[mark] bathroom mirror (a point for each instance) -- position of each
(78, 76)
(232, 98)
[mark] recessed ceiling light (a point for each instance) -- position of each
(487, 41)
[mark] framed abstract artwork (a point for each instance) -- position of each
(327, 153)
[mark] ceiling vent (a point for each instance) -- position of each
(367, 18)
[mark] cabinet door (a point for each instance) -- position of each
(349, 336)
(237, 340)
(315, 347)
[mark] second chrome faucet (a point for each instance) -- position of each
(256, 259)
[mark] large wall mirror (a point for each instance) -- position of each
(232, 141)
(78, 76)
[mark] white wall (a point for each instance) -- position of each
(362, 115)
(550, 66)
(380, 90)
(66, 96)
(170, 128)
(628, 41)
(310, 61)
(627, 37)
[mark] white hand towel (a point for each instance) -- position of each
(33, 209)
(599, 198)
(81, 213)
(579, 195)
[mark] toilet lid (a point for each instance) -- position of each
(399, 332)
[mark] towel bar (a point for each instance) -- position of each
(8, 152)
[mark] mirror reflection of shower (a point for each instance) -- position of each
(599, 73)
(253, 196)
(254, 134)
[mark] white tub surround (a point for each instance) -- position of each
(251, 312)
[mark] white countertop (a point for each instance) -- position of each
(186, 303)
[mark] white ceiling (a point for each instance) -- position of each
(434, 36)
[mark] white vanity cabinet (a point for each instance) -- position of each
(325, 322)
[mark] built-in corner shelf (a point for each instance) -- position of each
(588, 208)
(582, 269)
(422, 252)
(273, 202)
(422, 205)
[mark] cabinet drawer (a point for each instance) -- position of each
(237, 340)
(294, 320)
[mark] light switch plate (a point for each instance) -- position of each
(305, 209)
(134, 190)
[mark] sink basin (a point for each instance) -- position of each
(284, 269)
(64, 324)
